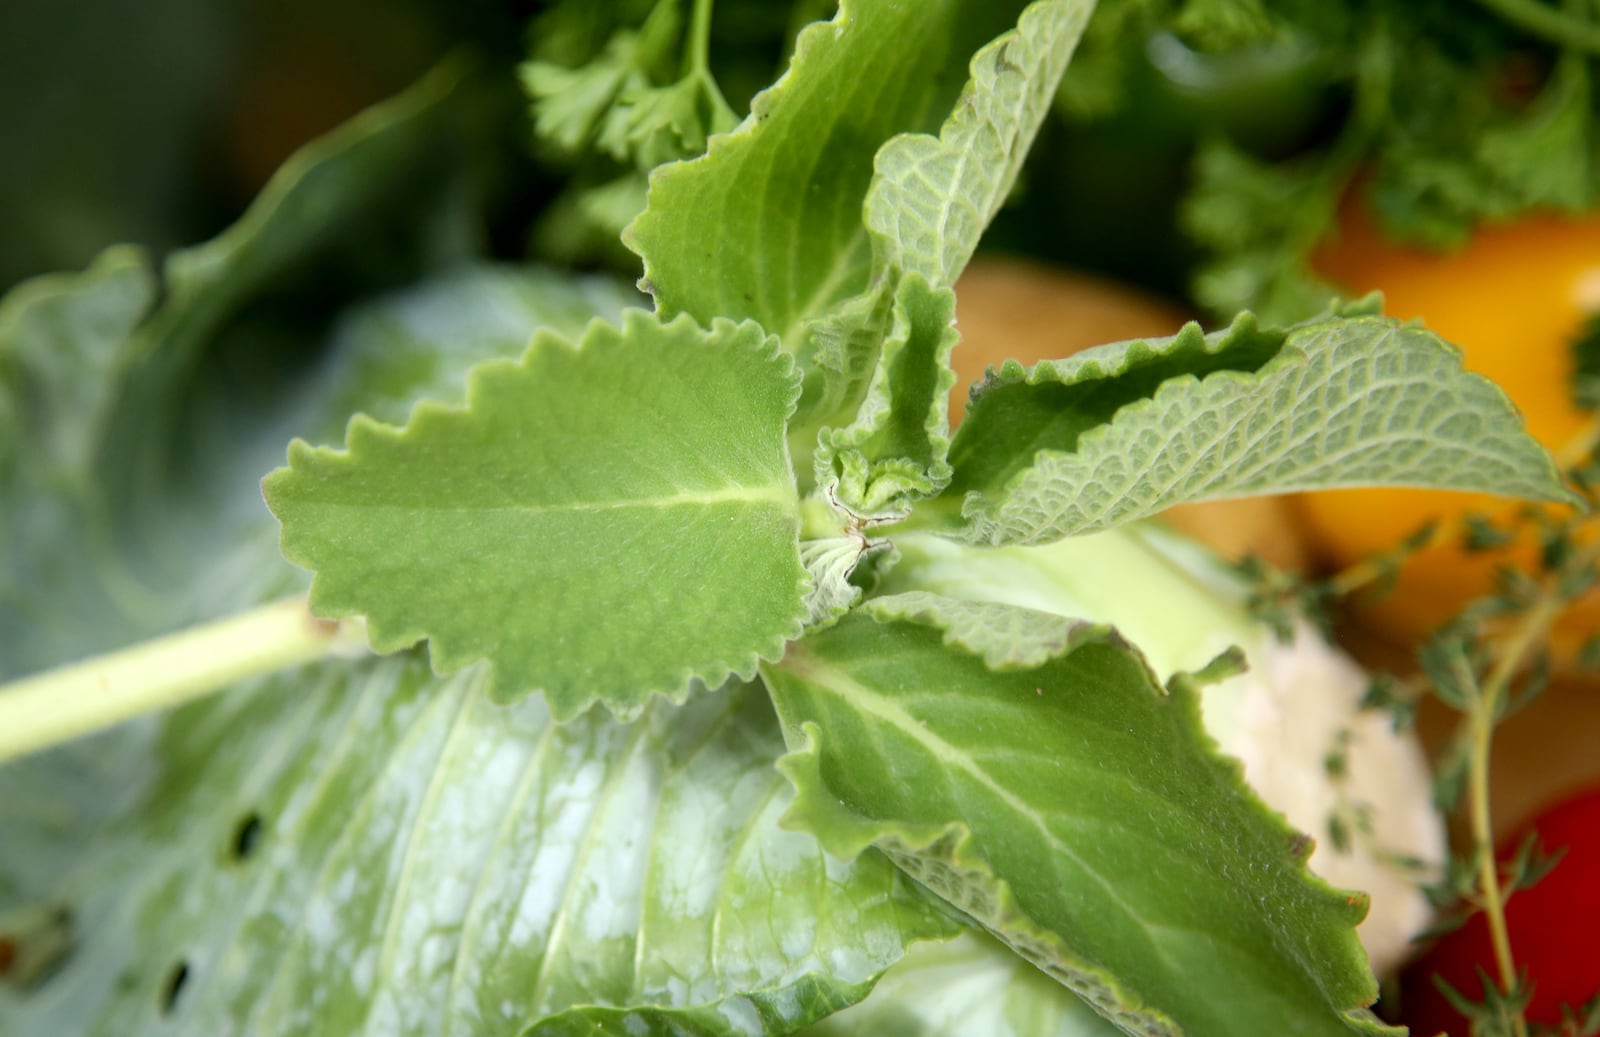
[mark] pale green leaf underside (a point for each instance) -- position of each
(829, 561)
(426, 861)
(1113, 434)
(1004, 636)
(971, 986)
(887, 352)
(602, 523)
(893, 453)
(1080, 813)
(932, 197)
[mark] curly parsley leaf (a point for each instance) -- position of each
(603, 523)
(1456, 117)
(1122, 431)
(1080, 813)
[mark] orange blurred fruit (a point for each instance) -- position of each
(1514, 299)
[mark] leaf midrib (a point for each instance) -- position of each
(853, 693)
(779, 494)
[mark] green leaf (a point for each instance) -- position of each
(894, 451)
(932, 197)
(366, 848)
(788, 184)
(603, 523)
(829, 561)
(962, 987)
(826, 274)
(1006, 638)
(1123, 431)
(929, 202)
(362, 847)
(1079, 812)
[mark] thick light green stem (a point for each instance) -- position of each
(58, 705)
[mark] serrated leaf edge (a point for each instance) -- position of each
(979, 509)
(811, 38)
(385, 637)
(845, 834)
(944, 860)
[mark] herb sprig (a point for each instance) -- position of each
(645, 552)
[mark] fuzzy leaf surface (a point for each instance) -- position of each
(789, 182)
(886, 352)
(933, 196)
(1079, 812)
(361, 847)
(602, 523)
(894, 451)
(1120, 432)
(969, 985)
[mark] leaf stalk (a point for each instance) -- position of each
(77, 699)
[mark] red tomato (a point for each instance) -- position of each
(1554, 930)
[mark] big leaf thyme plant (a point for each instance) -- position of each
(710, 737)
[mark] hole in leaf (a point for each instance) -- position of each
(174, 986)
(246, 836)
(34, 942)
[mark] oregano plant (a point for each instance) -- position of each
(669, 725)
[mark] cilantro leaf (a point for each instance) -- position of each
(604, 522)
(1123, 431)
(1079, 812)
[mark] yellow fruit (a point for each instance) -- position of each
(1514, 299)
